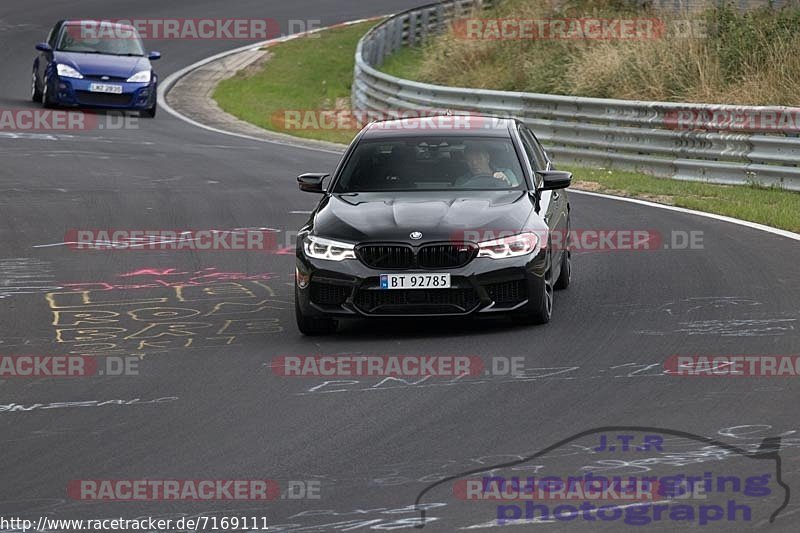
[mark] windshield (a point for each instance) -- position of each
(111, 39)
(432, 163)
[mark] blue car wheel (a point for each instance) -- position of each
(46, 100)
(36, 94)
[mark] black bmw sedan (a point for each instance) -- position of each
(435, 216)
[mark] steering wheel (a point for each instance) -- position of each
(485, 181)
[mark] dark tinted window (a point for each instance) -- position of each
(432, 163)
(534, 150)
(102, 38)
(53, 35)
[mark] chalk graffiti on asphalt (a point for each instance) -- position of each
(157, 310)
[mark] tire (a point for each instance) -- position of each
(46, 102)
(313, 326)
(150, 112)
(565, 272)
(539, 308)
(36, 94)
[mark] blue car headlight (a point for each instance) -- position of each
(141, 77)
(67, 71)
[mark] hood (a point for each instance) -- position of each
(362, 217)
(103, 65)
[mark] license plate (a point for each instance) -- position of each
(105, 88)
(415, 281)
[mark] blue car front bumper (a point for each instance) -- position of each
(76, 92)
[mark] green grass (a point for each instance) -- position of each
(404, 63)
(316, 73)
(770, 206)
(306, 75)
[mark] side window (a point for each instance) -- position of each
(539, 157)
(53, 37)
(526, 145)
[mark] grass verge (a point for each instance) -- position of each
(769, 206)
(316, 73)
(304, 75)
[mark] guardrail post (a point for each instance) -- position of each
(412, 29)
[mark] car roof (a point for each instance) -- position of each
(456, 125)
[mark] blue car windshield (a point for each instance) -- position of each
(432, 163)
(100, 38)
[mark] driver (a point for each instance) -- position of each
(479, 162)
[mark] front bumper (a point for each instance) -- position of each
(351, 289)
(75, 92)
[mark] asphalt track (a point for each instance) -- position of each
(214, 410)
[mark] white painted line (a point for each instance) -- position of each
(723, 218)
(54, 244)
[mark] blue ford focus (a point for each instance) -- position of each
(95, 64)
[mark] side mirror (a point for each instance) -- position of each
(152, 56)
(554, 179)
(44, 47)
(311, 182)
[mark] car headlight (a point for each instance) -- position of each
(67, 71)
(141, 77)
(320, 248)
(513, 246)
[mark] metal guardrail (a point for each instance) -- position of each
(621, 134)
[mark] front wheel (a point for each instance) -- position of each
(36, 94)
(540, 302)
(46, 100)
(149, 112)
(313, 326)
(565, 272)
